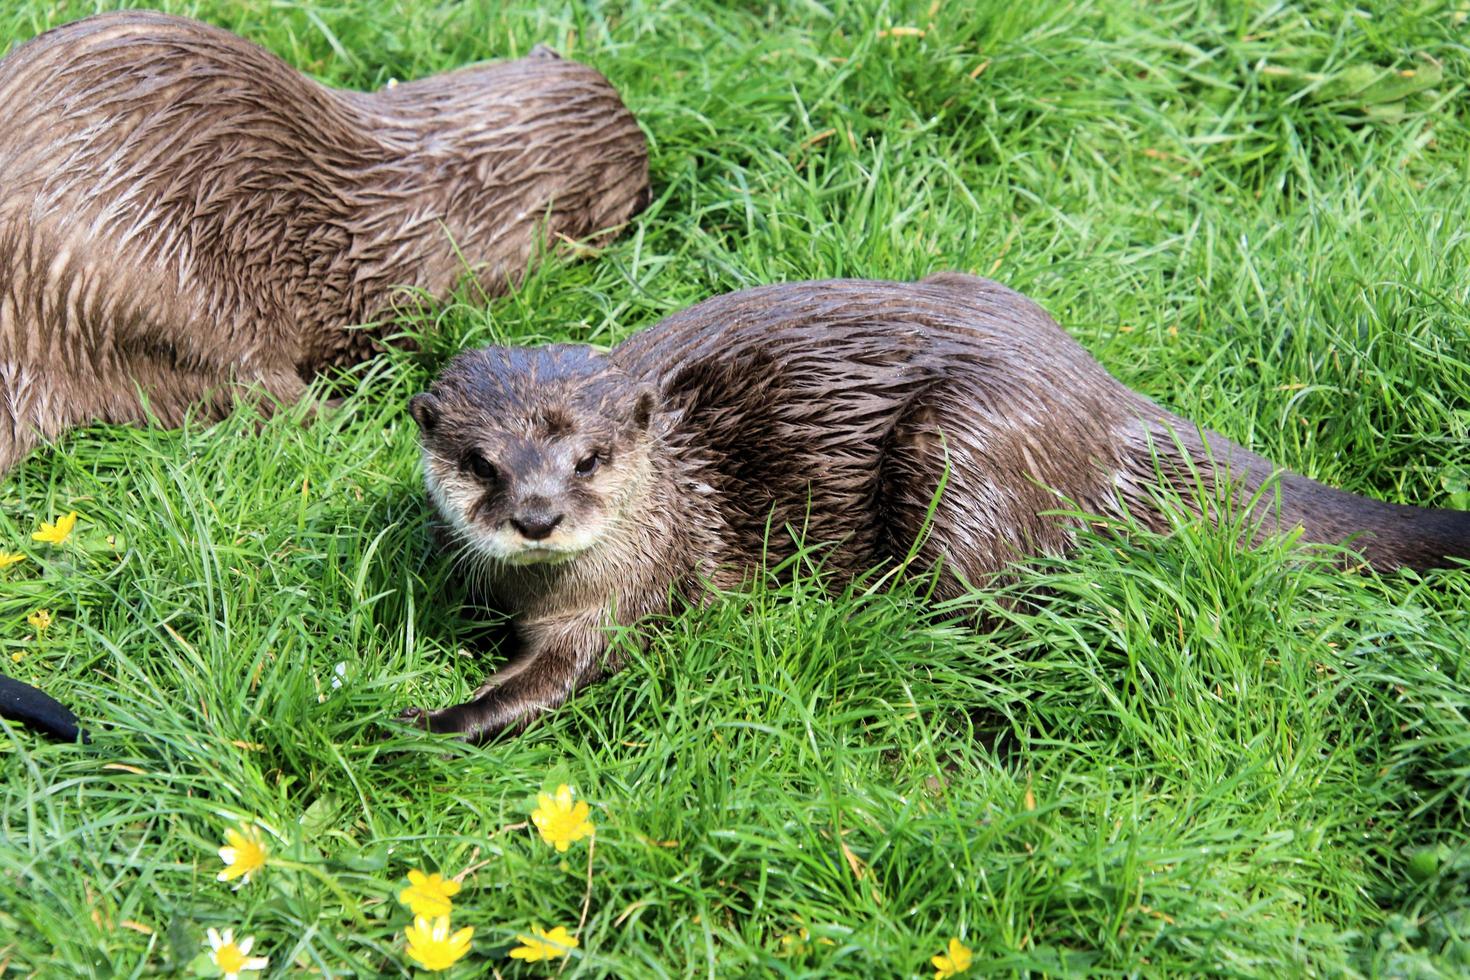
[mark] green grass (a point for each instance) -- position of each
(1167, 755)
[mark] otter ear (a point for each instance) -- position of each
(643, 408)
(425, 411)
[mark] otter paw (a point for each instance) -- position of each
(414, 715)
(449, 721)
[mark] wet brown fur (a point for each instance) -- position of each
(184, 214)
(836, 409)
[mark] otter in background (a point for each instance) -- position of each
(943, 422)
(183, 215)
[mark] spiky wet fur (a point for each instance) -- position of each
(183, 214)
(834, 413)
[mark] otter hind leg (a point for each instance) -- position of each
(967, 494)
(922, 521)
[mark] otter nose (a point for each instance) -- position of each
(536, 526)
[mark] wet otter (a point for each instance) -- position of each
(183, 214)
(586, 488)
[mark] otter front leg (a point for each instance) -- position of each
(559, 657)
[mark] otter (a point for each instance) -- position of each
(184, 216)
(943, 424)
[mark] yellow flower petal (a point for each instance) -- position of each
(560, 822)
(543, 945)
(244, 853)
(8, 558)
(56, 533)
(956, 960)
(432, 947)
(40, 620)
(428, 895)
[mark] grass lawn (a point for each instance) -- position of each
(1180, 758)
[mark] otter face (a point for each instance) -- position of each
(533, 456)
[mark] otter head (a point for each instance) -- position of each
(533, 455)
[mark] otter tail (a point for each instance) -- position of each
(1389, 536)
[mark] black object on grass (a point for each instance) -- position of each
(36, 709)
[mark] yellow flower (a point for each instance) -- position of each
(56, 533)
(244, 853)
(40, 620)
(957, 960)
(234, 958)
(428, 896)
(8, 558)
(432, 947)
(559, 821)
(543, 945)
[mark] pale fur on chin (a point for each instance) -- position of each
(507, 545)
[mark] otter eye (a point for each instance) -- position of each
(480, 466)
(588, 465)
